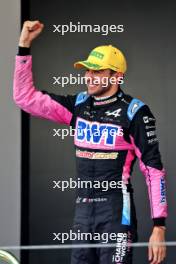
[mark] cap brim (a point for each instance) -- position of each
(88, 65)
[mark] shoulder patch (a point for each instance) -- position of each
(81, 98)
(133, 107)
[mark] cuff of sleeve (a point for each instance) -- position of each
(23, 51)
(159, 221)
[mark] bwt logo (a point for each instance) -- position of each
(163, 190)
(94, 132)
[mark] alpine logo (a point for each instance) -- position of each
(115, 113)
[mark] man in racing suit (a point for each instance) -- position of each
(112, 129)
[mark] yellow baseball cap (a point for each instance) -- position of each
(104, 57)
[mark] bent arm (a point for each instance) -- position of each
(146, 146)
(44, 105)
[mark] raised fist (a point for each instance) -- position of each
(30, 30)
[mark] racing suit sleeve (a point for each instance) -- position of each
(146, 146)
(57, 108)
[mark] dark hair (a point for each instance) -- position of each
(112, 71)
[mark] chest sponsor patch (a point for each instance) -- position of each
(96, 155)
(97, 133)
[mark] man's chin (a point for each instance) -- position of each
(93, 91)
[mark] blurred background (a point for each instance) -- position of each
(31, 158)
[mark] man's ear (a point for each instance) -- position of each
(119, 74)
